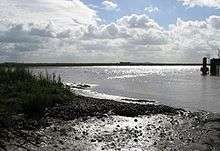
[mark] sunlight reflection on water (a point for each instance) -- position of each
(179, 86)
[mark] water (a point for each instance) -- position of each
(178, 86)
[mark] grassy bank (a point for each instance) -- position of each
(23, 92)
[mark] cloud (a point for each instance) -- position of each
(109, 5)
(201, 3)
(130, 38)
(186, 41)
(130, 33)
(196, 38)
(151, 9)
(214, 21)
(32, 30)
(136, 29)
(138, 21)
(63, 13)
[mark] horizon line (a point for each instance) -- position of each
(99, 64)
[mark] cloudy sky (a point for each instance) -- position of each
(109, 30)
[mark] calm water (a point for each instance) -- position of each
(178, 86)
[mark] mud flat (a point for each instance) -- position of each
(99, 124)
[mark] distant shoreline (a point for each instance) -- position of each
(97, 64)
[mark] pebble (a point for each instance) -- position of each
(77, 138)
(85, 133)
(61, 142)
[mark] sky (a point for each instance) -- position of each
(178, 31)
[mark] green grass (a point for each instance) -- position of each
(23, 92)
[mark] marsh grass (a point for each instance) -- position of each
(21, 91)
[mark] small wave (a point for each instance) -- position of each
(126, 76)
(80, 85)
(94, 94)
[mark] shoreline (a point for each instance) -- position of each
(84, 120)
(9, 64)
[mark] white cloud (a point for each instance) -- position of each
(139, 36)
(34, 29)
(63, 13)
(130, 38)
(201, 3)
(109, 5)
(196, 38)
(130, 33)
(214, 21)
(151, 9)
(138, 21)
(136, 29)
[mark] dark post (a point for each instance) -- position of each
(213, 67)
(204, 68)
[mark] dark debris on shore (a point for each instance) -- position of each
(17, 126)
(85, 106)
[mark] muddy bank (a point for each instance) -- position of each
(86, 106)
(98, 124)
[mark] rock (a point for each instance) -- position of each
(93, 140)
(85, 133)
(112, 144)
(54, 129)
(135, 120)
(80, 86)
(61, 142)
